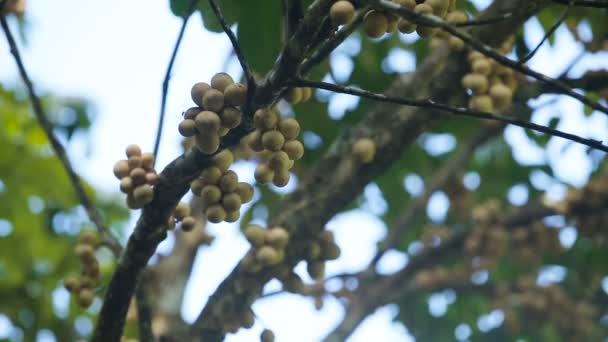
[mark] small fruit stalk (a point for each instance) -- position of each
(220, 190)
(492, 85)
(137, 177)
(83, 287)
(218, 111)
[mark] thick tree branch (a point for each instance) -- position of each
(108, 239)
(248, 74)
(461, 111)
(478, 45)
(585, 3)
(293, 13)
(165, 86)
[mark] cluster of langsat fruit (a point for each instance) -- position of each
(454, 17)
(83, 287)
(320, 250)
(268, 247)
(298, 94)
(137, 177)
(220, 190)
(377, 23)
(492, 85)
(530, 243)
(275, 137)
(181, 216)
(217, 113)
(527, 306)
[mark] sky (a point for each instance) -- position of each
(115, 54)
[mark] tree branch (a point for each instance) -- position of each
(585, 3)
(251, 85)
(165, 86)
(108, 239)
(433, 21)
(461, 111)
(548, 34)
(293, 14)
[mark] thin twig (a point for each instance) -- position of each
(165, 86)
(47, 126)
(489, 21)
(433, 21)
(548, 34)
(585, 3)
(251, 85)
(461, 111)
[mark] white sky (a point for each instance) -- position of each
(115, 54)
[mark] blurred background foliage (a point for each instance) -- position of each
(39, 215)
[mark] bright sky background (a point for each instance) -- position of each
(115, 53)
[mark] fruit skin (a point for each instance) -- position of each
(126, 185)
(273, 140)
(215, 213)
(294, 149)
(187, 128)
(143, 194)
(478, 83)
(121, 169)
(207, 143)
(281, 178)
(290, 128)
(342, 12)
(211, 175)
(263, 174)
(133, 151)
(277, 237)
(207, 122)
(256, 235)
(230, 117)
(265, 119)
(188, 223)
(229, 181)
(375, 24)
(223, 160)
(364, 150)
(268, 256)
(85, 298)
(213, 100)
(482, 103)
(231, 202)
(245, 191)
(501, 95)
(198, 91)
(267, 336)
(182, 210)
(279, 161)
(221, 81)
(294, 95)
(211, 194)
(235, 94)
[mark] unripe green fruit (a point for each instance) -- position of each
(85, 298)
(207, 122)
(245, 191)
(211, 175)
(278, 161)
(482, 66)
(233, 216)
(501, 95)
(273, 140)
(187, 128)
(268, 335)
(126, 185)
(375, 24)
(293, 95)
(207, 143)
(223, 160)
(256, 235)
(211, 194)
(290, 128)
(188, 223)
(476, 82)
(138, 176)
(134, 161)
(294, 149)
(213, 100)
(143, 194)
(482, 103)
(72, 284)
(197, 186)
(364, 150)
(235, 94)
(133, 151)
(85, 252)
(229, 181)
(181, 210)
(281, 178)
(342, 12)
(263, 174)
(230, 117)
(215, 213)
(221, 81)
(267, 256)
(254, 141)
(231, 202)
(121, 169)
(316, 269)
(198, 92)
(406, 26)
(457, 17)
(152, 178)
(191, 113)
(277, 237)
(265, 119)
